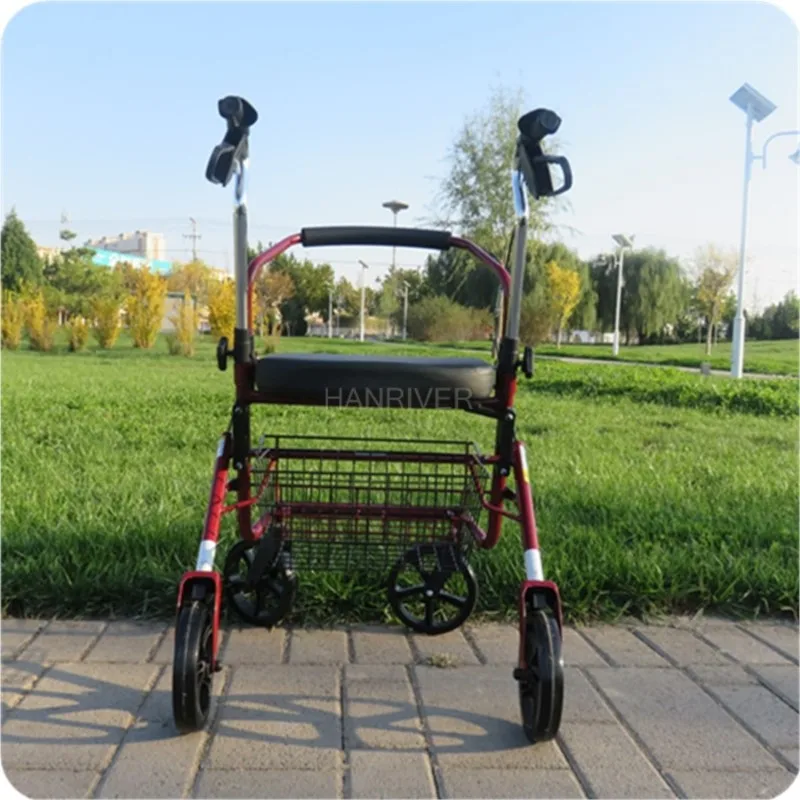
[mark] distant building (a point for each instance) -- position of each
(139, 243)
(172, 309)
(110, 258)
(48, 254)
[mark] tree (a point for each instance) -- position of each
(194, 277)
(145, 307)
(541, 253)
(715, 270)
(271, 291)
(778, 321)
(106, 311)
(182, 341)
(536, 315)
(475, 197)
(39, 322)
(660, 293)
(19, 259)
(565, 291)
(73, 279)
(654, 293)
(222, 309)
(311, 286)
(12, 320)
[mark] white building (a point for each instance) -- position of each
(140, 243)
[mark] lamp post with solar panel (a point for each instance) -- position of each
(623, 242)
(363, 289)
(756, 108)
(395, 206)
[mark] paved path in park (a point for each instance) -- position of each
(686, 708)
(726, 373)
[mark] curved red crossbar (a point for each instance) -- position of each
(271, 253)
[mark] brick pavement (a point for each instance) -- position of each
(687, 708)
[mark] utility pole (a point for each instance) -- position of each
(194, 236)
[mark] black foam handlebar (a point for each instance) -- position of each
(361, 235)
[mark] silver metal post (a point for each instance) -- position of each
(330, 313)
(615, 346)
(520, 242)
(364, 267)
(737, 352)
(240, 248)
(405, 312)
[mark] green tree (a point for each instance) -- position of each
(19, 259)
(654, 293)
(778, 321)
(475, 197)
(661, 293)
(715, 271)
(72, 280)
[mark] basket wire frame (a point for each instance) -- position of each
(344, 505)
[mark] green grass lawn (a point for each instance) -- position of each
(780, 357)
(643, 506)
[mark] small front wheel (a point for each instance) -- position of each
(541, 679)
(192, 667)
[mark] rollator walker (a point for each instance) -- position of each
(415, 510)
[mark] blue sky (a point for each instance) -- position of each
(109, 113)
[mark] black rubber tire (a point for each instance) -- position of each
(541, 695)
(192, 672)
(275, 592)
(466, 604)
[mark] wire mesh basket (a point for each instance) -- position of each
(346, 504)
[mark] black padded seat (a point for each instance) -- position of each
(374, 382)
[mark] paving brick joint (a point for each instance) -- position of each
(686, 708)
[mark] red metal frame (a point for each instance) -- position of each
(500, 405)
(188, 582)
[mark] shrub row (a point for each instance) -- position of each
(437, 319)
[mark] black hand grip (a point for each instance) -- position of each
(539, 123)
(239, 115)
(237, 111)
(361, 235)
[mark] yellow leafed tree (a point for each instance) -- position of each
(182, 341)
(565, 291)
(222, 309)
(78, 330)
(193, 277)
(106, 311)
(40, 323)
(145, 307)
(13, 320)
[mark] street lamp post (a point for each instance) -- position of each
(395, 206)
(330, 312)
(363, 287)
(623, 242)
(756, 108)
(405, 309)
